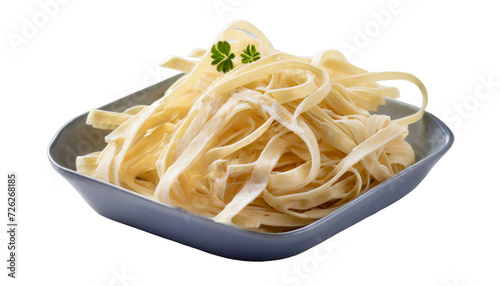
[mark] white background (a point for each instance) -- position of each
(83, 54)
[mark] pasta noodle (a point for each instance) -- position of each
(271, 145)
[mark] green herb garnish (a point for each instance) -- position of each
(250, 54)
(221, 53)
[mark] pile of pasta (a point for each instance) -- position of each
(271, 145)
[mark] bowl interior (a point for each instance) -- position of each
(76, 138)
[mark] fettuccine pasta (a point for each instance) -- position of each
(269, 145)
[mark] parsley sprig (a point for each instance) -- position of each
(223, 58)
(221, 53)
(250, 54)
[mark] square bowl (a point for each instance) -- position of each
(429, 137)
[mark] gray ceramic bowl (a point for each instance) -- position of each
(429, 137)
